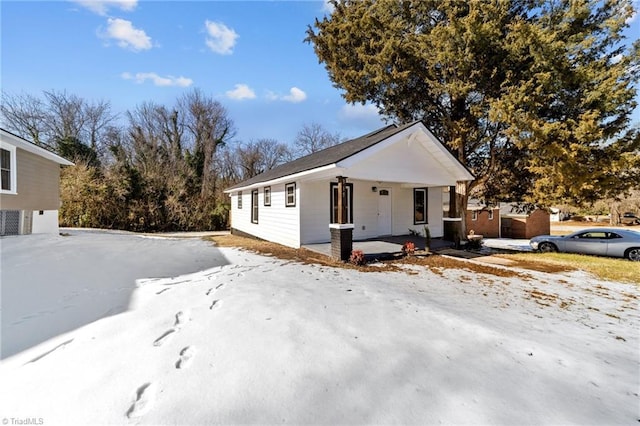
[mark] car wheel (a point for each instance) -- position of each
(633, 254)
(547, 248)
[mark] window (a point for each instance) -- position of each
(596, 235)
(420, 206)
(267, 195)
(8, 169)
(490, 214)
(334, 202)
(254, 206)
(474, 215)
(240, 200)
(290, 194)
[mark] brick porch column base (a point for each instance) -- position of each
(341, 241)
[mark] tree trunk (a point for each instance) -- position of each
(462, 198)
(614, 220)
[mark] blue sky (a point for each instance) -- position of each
(250, 56)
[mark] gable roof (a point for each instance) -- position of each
(17, 141)
(328, 156)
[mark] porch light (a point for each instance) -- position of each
(374, 189)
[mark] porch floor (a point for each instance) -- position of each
(383, 247)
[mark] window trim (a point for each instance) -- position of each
(286, 194)
(239, 200)
(491, 214)
(266, 192)
(13, 174)
(349, 186)
(425, 219)
(474, 215)
(254, 206)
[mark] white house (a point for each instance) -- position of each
(30, 186)
(394, 182)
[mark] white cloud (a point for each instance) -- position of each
(327, 7)
(157, 80)
(360, 116)
(359, 112)
(126, 35)
(241, 91)
(101, 7)
(295, 96)
(221, 39)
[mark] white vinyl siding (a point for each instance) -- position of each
(278, 223)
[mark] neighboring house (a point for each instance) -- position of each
(483, 220)
(503, 220)
(394, 182)
(524, 225)
(30, 186)
(557, 215)
(479, 218)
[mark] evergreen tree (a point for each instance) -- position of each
(534, 96)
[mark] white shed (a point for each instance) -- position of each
(394, 176)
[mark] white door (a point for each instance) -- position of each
(384, 211)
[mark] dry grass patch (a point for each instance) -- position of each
(605, 268)
(434, 262)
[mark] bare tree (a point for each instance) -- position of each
(209, 127)
(259, 156)
(59, 116)
(25, 115)
(312, 138)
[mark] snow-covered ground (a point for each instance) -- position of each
(236, 338)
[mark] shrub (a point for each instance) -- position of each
(427, 238)
(474, 244)
(408, 248)
(357, 257)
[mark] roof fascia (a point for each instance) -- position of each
(307, 174)
(11, 139)
(462, 173)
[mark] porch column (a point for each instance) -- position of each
(453, 224)
(341, 232)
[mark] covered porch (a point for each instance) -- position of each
(384, 247)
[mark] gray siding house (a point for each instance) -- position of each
(29, 186)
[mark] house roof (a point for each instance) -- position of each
(17, 141)
(330, 156)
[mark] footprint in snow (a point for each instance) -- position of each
(181, 318)
(186, 356)
(145, 395)
(216, 303)
(219, 286)
(166, 336)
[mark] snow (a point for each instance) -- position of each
(507, 243)
(187, 333)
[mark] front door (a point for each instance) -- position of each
(384, 211)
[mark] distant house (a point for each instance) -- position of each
(394, 178)
(482, 220)
(523, 225)
(30, 186)
(502, 220)
(479, 218)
